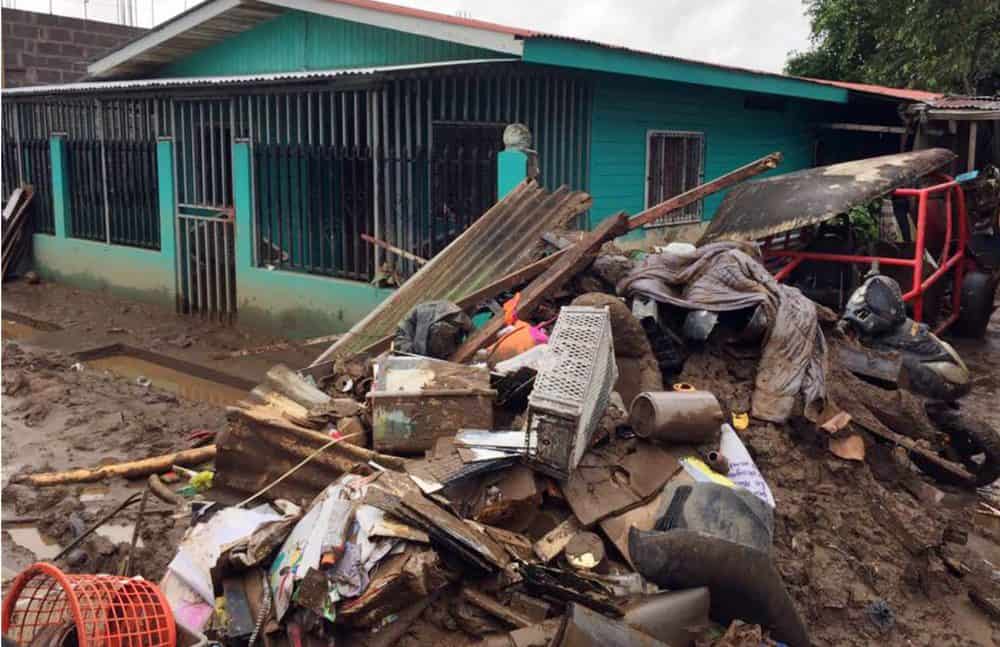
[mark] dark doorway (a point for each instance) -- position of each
(463, 177)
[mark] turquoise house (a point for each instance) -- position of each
(238, 160)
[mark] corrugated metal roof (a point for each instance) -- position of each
(782, 203)
(957, 102)
(881, 90)
(435, 16)
(197, 81)
(500, 242)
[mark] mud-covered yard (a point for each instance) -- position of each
(865, 561)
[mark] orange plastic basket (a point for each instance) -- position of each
(104, 610)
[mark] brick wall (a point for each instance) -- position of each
(41, 49)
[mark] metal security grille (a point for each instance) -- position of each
(203, 135)
(38, 173)
(86, 190)
(313, 204)
(128, 147)
(463, 179)
(206, 264)
(674, 164)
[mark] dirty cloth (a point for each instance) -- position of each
(726, 276)
(435, 329)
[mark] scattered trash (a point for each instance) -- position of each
(881, 615)
(565, 474)
(143, 381)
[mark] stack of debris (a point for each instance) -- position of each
(16, 228)
(562, 474)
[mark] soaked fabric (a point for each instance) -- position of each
(726, 276)
(434, 329)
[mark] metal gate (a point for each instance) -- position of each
(206, 264)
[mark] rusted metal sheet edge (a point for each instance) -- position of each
(785, 203)
(503, 237)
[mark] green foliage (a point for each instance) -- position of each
(864, 221)
(940, 45)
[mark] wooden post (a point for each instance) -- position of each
(656, 212)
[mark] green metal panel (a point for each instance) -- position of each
(512, 168)
(606, 59)
(60, 185)
(298, 41)
(166, 192)
(626, 109)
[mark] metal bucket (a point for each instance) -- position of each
(676, 416)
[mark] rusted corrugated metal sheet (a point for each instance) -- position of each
(502, 240)
(965, 103)
(756, 210)
(251, 455)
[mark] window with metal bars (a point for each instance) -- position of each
(675, 163)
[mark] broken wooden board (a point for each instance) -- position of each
(556, 539)
(495, 608)
(506, 236)
(574, 259)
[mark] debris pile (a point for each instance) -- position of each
(611, 458)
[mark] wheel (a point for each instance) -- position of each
(978, 291)
(973, 443)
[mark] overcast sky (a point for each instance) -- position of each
(756, 34)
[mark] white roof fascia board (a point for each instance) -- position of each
(158, 36)
(466, 35)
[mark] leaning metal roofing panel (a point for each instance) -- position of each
(756, 210)
(198, 81)
(502, 240)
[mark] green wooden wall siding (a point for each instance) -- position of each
(298, 41)
(626, 108)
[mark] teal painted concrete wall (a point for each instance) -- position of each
(288, 303)
(626, 108)
(298, 41)
(130, 272)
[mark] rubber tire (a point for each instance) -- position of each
(969, 437)
(978, 293)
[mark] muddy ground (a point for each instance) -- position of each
(864, 560)
(61, 413)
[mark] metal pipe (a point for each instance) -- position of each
(104, 176)
(672, 416)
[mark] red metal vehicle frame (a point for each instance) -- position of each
(951, 257)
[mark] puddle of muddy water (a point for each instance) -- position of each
(183, 384)
(15, 330)
(29, 537)
(46, 548)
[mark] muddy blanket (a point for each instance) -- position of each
(728, 276)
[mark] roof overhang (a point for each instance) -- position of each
(216, 20)
(567, 52)
(216, 81)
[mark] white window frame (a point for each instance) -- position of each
(681, 218)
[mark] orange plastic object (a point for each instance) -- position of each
(684, 387)
(105, 610)
(520, 339)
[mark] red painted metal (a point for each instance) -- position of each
(952, 256)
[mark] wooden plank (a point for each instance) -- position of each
(419, 260)
(291, 384)
(574, 259)
(656, 212)
(508, 282)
